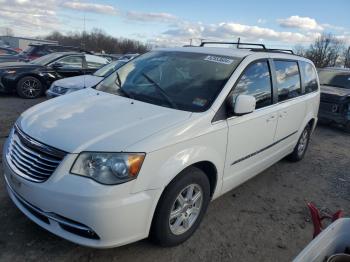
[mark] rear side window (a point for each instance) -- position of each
(95, 62)
(71, 62)
(256, 81)
(310, 77)
(288, 80)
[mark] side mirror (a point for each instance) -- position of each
(244, 104)
(57, 65)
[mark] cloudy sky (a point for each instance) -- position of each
(169, 22)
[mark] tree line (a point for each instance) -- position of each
(98, 41)
(326, 51)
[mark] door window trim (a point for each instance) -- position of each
(221, 114)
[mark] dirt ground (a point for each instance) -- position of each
(263, 220)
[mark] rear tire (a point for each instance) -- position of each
(302, 145)
(29, 87)
(179, 212)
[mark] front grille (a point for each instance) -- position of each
(31, 159)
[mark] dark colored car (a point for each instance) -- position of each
(8, 55)
(7, 51)
(30, 80)
(335, 96)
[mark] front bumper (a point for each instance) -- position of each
(82, 211)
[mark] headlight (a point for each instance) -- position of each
(108, 168)
(58, 89)
(10, 72)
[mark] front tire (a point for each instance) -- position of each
(181, 208)
(302, 145)
(29, 87)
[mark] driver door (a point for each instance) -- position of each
(250, 136)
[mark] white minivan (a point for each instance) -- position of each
(145, 152)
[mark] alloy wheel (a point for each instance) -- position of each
(31, 88)
(186, 209)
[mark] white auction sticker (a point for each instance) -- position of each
(219, 59)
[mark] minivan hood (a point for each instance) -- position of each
(79, 82)
(89, 120)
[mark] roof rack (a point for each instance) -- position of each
(241, 45)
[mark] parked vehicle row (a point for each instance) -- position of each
(157, 140)
(30, 80)
(34, 51)
(72, 84)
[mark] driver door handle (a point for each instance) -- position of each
(271, 118)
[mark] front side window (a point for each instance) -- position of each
(310, 77)
(336, 78)
(71, 62)
(288, 80)
(181, 80)
(256, 81)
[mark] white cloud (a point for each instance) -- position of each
(151, 17)
(90, 7)
(262, 21)
(299, 22)
(230, 31)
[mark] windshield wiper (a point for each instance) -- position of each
(161, 91)
(122, 90)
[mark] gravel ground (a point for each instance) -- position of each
(265, 219)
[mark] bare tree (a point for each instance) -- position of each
(347, 57)
(325, 51)
(98, 41)
(300, 50)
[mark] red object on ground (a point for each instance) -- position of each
(317, 218)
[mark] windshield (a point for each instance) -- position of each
(182, 80)
(334, 78)
(109, 68)
(46, 59)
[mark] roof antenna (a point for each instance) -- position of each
(239, 40)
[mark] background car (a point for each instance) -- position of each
(9, 55)
(30, 80)
(335, 96)
(34, 51)
(7, 51)
(71, 84)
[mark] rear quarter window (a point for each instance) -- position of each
(309, 77)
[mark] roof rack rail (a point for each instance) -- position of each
(241, 45)
(238, 44)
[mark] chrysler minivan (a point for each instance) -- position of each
(144, 152)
